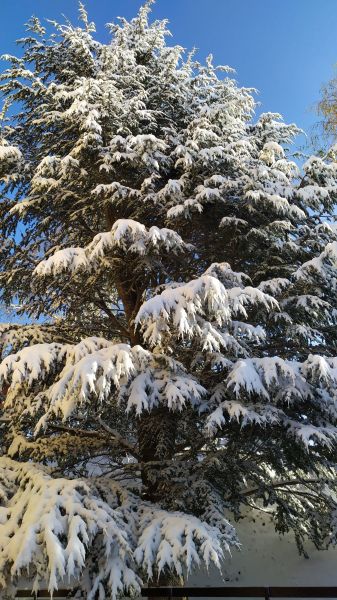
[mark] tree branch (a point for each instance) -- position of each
(72, 431)
(103, 306)
(124, 443)
(279, 484)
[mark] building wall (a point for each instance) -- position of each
(267, 559)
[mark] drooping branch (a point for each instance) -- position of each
(279, 484)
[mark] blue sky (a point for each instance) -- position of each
(285, 48)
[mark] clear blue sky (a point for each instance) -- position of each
(285, 48)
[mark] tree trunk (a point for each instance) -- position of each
(157, 429)
(156, 440)
(156, 443)
(166, 579)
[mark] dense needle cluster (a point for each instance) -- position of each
(178, 274)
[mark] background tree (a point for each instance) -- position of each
(327, 107)
(179, 275)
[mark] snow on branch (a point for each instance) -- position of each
(239, 298)
(182, 305)
(276, 203)
(47, 526)
(129, 235)
(34, 363)
(274, 286)
(80, 372)
(175, 541)
(245, 414)
(324, 264)
(9, 154)
(203, 297)
(68, 259)
(93, 376)
(164, 540)
(11, 161)
(257, 375)
(154, 387)
(91, 371)
(14, 336)
(226, 275)
(31, 364)
(126, 234)
(265, 387)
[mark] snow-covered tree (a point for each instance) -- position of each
(178, 271)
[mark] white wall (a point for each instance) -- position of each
(267, 559)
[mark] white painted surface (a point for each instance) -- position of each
(267, 559)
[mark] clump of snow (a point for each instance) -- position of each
(47, 526)
(126, 234)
